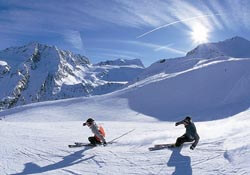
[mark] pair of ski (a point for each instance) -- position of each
(80, 144)
(161, 146)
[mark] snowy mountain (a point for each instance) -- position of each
(234, 47)
(206, 88)
(37, 72)
(122, 62)
(4, 68)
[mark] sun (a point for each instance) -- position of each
(199, 34)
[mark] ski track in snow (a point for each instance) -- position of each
(41, 148)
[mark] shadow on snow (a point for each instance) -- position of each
(181, 163)
(72, 159)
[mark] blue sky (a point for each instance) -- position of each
(111, 29)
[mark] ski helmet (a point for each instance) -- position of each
(90, 120)
(188, 119)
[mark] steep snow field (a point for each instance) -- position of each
(32, 142)
(206, 89)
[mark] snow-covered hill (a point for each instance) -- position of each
(234, 47)
(37, 72)
(32, 144)
(206, 88)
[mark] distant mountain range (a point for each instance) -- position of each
(209, 77)
(37, 72)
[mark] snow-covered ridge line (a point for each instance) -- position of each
(122, 62)
(234, 47)
(37, 72)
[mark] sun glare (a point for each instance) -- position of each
(199, 34)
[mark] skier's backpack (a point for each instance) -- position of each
(101, 130)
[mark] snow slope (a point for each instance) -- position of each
(31, 143)
(233, 47)
(206, 89)
(204, 84)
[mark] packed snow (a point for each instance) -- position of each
(35, 137)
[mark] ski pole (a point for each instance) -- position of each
(121, 136)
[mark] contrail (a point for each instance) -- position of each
(169, 24)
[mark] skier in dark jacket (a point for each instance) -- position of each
(98, 132)
(190, 135)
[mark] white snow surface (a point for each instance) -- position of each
(206, 89)
(3, 63)
(34, 140)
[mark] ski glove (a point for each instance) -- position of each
(104, 143)
(192, 147)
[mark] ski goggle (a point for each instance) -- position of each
(88, 123)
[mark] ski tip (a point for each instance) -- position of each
(152, 149)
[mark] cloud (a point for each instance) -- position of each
(188, 14)
(114, 55)
(147, 13)
(36, 17)
(170, 49)
(78, 15)
(114, 51)
(52, 17)
(56, 15)
(237, 13)
(155, 47)
(178, 21)
(74, 38)
(213, 15)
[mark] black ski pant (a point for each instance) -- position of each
(94, 141)
(182, 139)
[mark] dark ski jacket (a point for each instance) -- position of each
(191, 132)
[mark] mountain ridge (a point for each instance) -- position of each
(37, 72)
(233, 47)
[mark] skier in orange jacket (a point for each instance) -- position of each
(98, 132)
